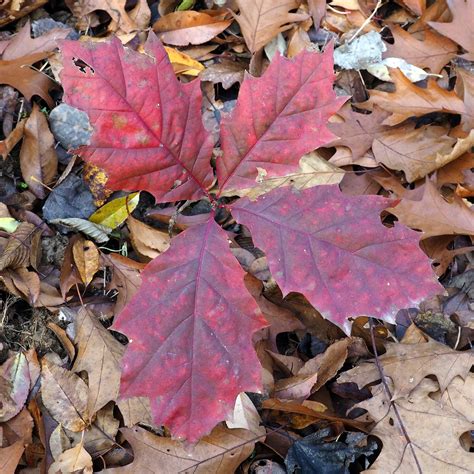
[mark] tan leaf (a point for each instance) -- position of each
(38, 159)
(434, 429)
(460, 28)
(83, 12)
(416, 6)
(460, 396)
(7, 145)
(98, 353)
(23, 283)
(465, 88)
(147, 241)
(225, 71)
(261, 20)
(87, 258)
(135, 410)
(219, 453)
(18, 74)
(313, 171)
(245, 416)
(182, 28)
(14, 386)
(435, 216)
(357, 131)
(415, 151)
(408, 364)
(432, 51)
(18, 251)
(76, 459)
(409, 100)
(10, 457)
(65, 396)
(22, 44)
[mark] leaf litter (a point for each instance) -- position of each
(340, 185)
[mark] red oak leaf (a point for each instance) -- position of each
(190, 326)
(148, 132)
(278, 118)
(334, 249)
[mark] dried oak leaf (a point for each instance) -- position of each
(182, 28)
(357, 131)
(433, 51)
(221, 452)
(148, 132)
(415, 151)
(261, 20)
(18, 74)
(435, 216)
(83, 10)
(76, 459)
(408, 364)
(434, 429)
(303, 247)
(460, 28)
(99, 354)
(409, 100)
(295, 100)
(199, 300)
(23, 45)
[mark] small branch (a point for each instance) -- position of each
(389, 396)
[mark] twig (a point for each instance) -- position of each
(389, 396)
(367, 21)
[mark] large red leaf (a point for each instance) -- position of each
(148, 133)
(190, 325)
(278, 118)
(334, 249)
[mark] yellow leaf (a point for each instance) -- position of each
(116, 211)
(182, 63)
(8, 224)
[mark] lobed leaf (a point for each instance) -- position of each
(148, 133)
(333, 248)
(278, 118)
(190, 328)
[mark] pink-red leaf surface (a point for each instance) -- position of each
(278, 118)
(148, 132)
(190, 327)
(334, 249)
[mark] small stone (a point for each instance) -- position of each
(70, 126)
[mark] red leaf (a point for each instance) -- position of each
(333, 248)
(278, 118)
(148, 132)
(190, 326)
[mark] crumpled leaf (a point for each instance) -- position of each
(312, 455)
(302, 248)
(434, 429)
(100, 233)
(182, 63)
(295, 100)
(161, 147)
(201, 301)
(86, 258)
(147, 241)
(22, 248)
(408, 364)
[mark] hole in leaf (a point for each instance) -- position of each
(82, 66)
(391, 422)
